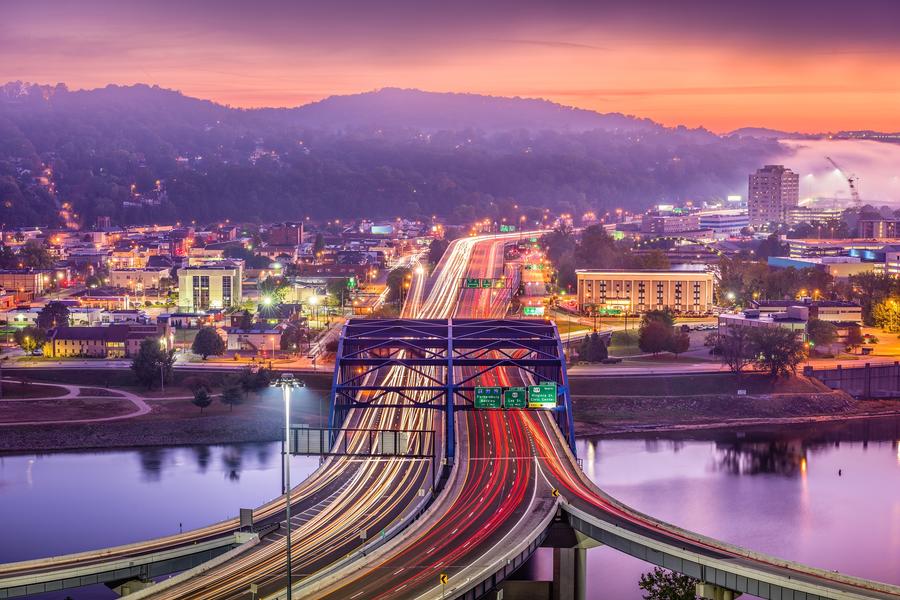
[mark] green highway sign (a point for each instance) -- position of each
(515, 397)
(507, 229)
(473, 283)
(351, 283)
(533, 311)
(487, 283)
(488, 397)
(542, 395)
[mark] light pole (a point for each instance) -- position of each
(287, 382)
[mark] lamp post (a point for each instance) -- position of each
(287, 382)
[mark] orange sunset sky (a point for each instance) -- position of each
(807, 66)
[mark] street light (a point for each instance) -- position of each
(287, 382)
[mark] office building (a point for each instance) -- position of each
(773, 191)
(793, 318)
(833, 311)
(138, 280)
(688, 291)
(217, 285)
(878, 228)
(725, 222)
(662, 224)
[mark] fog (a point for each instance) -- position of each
(877, 165)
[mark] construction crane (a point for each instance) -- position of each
(852, 180)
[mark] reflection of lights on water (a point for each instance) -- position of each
(898, 452)
(803, 465)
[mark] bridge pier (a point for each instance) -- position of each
(129, 586)
(569, 573)
(711, 591)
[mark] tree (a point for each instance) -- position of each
(253, 382)
(854, 336)
(397, 279)
(201, 398)
(661, 584)
(664, 316)
(246, 321)
(318, 245)
(678, 343)
(736, 349)
(152, 362)
(821, 333)
(436, 251)
(776, 350)
(232, 394)
(54, 314)
(293, 338)
(33, 254)
(208, 342)
(886, 315)
(30, 338)
(654, 337)
(593, 349)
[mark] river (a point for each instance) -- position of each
(827, 495)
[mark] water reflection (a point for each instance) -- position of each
(95, 495)
(778, 458)
(152, 460)
(825, 494)
(202, 456)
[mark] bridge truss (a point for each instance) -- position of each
(436, 364)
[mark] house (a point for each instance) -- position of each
(112, 341)
(256, 339)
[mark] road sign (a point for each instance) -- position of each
(443, 578)
(515, 397)
(488, 397)
(507, 229)
(473, 282)
(487, 283)
(542, 395)
(533, 311)
(555, 493)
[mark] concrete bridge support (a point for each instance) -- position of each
(569, 573)
(711, 591)
(129, 586)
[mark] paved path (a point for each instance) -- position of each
(74, 391)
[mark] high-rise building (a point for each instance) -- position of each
(773, 191)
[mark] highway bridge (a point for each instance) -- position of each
(511, 481)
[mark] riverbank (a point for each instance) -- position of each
(633, 415)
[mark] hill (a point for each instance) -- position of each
(393, 108)
(146, 154)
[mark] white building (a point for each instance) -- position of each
(201, 287)
(725, 222)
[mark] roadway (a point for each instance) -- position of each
(500, 496)
(374, 495)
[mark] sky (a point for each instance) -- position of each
(796, 65)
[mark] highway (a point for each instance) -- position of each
(372, 494)
(509, 463)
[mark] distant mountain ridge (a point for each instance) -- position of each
(390, 108)
(417, 109)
